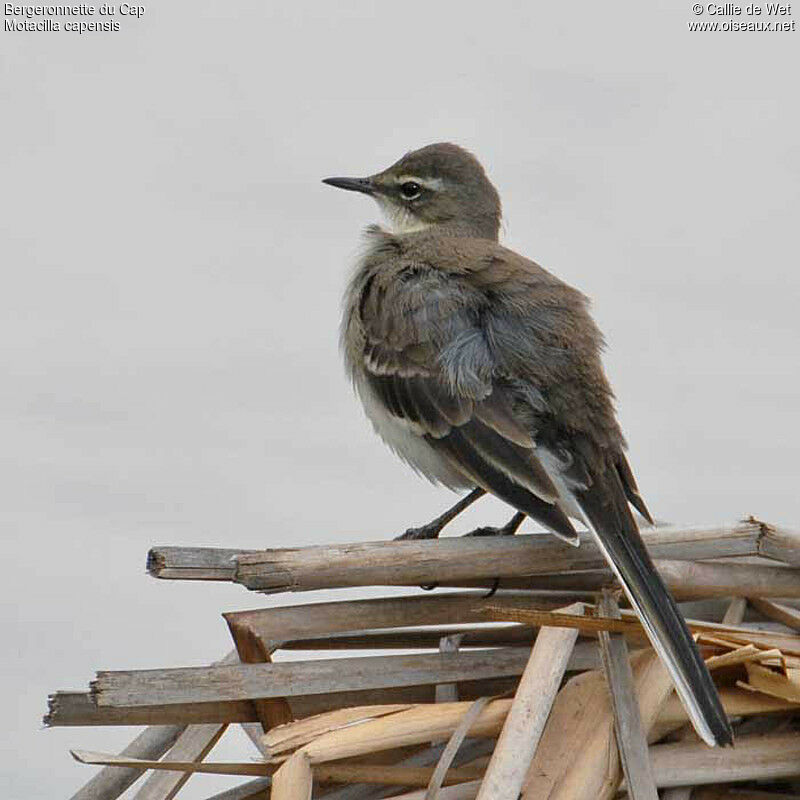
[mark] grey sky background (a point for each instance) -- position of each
(172, 271)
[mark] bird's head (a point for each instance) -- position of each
(438, 185)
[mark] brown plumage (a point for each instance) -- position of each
(482, 369)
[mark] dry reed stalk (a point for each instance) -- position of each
(417, 725)
(294, 780)
(577, 758)
(451, 559)
(735, 612)
(768, 757)
(169, 766)
(526, 718)
(450, 751)
(292, 735)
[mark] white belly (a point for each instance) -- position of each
(403, 438)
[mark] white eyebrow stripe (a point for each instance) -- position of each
(428, 183)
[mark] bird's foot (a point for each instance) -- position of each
(429, 531)
(509, 529)
(490, 530)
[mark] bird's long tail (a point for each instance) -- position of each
(610, 520)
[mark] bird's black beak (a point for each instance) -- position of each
(363, 185)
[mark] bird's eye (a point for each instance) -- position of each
(410, 190)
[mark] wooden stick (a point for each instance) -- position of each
(454, 558)
(525, 721)
(79, 708)
(735, 612)
(176, 766)
(420, 562)
(69, 709)
(251, 650)
(416, 638)
(311, 621)
(109, 783)
(630, 734)
(194, 563)
(194, 744)
(287, 679)
(768, 757)
(294, 780)
(284, 738)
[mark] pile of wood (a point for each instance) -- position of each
(543, 688)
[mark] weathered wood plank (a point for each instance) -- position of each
(288, 679)
(70, 709)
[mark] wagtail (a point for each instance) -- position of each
(482, 370)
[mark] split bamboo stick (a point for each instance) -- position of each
(294, 780)
(530, 708)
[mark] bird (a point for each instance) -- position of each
(483, 371)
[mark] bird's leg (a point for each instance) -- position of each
(434, 527)
(509, 529)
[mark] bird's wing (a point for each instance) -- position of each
(425, 359)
